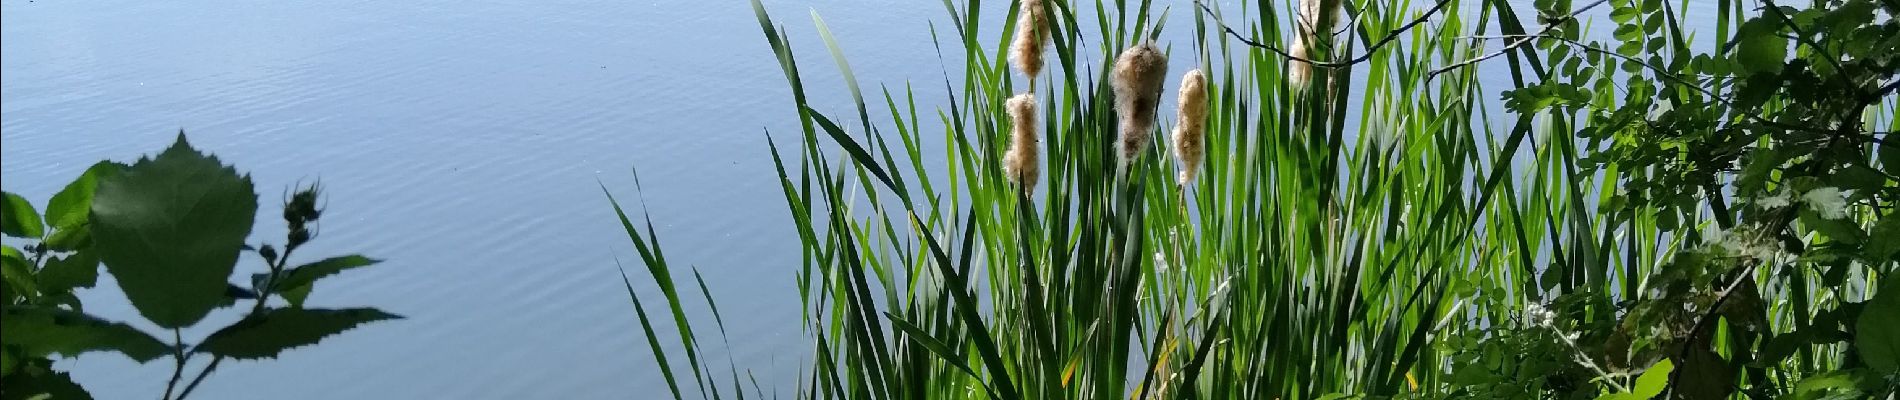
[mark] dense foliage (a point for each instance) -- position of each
(1753, 204)
(170, 230)
(1661, 219)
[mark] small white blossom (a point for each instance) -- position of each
(1779, 200)
(1715, 237)
(1741, 242)
(1537, 315)
(1826, 201)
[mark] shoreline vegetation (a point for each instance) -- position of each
(1655, 223)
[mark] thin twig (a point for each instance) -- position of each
(1370, 50)
(1889, 88)
(1691, 84)
(263, 296)
(178, 371)
(1524, 39)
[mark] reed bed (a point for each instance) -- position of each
(1072, 242)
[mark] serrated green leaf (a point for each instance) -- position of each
(71, 239)
(270, 333)
(1841, 230)
(1877, 332)
(71, 207)
(170, 229)
(41, 331)
(296, 283)
(18, 219)
(77, 270)
(17, 273)
(42, 385)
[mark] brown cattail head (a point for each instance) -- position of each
(1137, 82)
(1031, 33)
(1190, 124)
(1021, 162)
(1314, 23)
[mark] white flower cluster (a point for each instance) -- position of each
(1826, 201)
(1537, 315)
(1778, 200)
(1742, 242)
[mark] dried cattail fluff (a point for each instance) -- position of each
(1031, 33)
(1190, 124)
(1137, 83)
(1307, 34)
(1021, 162)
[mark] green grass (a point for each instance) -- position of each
(1307, 259)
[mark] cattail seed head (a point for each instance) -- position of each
(1315, 20)
(1021, 163)
(1190, 124)
(1031, 34)
(1137, 83)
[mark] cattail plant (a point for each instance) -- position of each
(1031, 33)
(1137, 83)
(1315, 19)
(1191, 123)
(1021, 162)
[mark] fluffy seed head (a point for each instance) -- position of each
(1190, 124)
(1031, 34)
(1021, 163)
(1315, 19)
(1137, 82)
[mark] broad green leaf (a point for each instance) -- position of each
(1762, 48)
(1623, 15)
(1858, 177)
(170, 229)
(233, 294)
(1890, 157)
(44, 330)
(17, 273)
(1842, 384)
(42, 384)
(1842, 230)
(1884, 239)
(267, 334)
(18, 219)
(71, 207)
(1877, 333)
(77, 270)
(296, 283)
(1649, 385)
(69, 239)
(8, 361)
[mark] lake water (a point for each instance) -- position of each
(466, 142)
